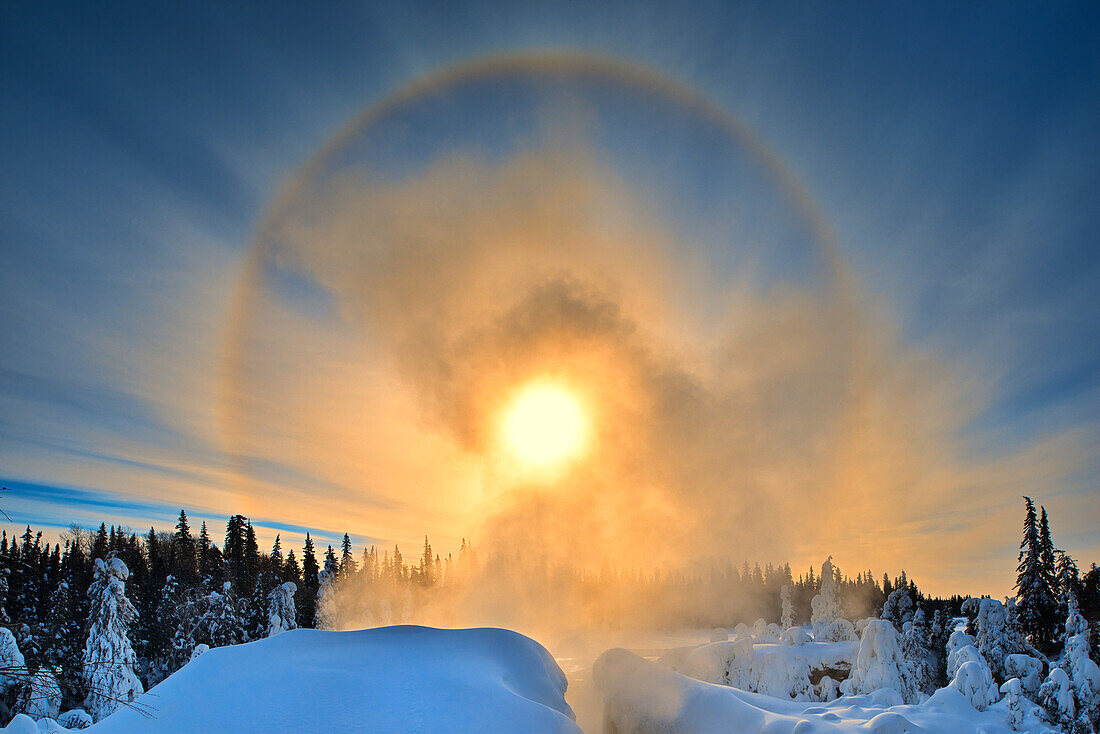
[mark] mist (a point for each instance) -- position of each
(767, 419)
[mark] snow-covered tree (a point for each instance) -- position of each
(898, 608)
(786, 608)
(222, 618)
(1036, 604)
(995, 641)
(972, 679)
(938, 636)
(280, 609)
(13, 671)
(109, 658)
(917, 649)
(1028, 669)
(1082, 671)
(955, 643)
(1020, 709)
(1056, 697)
(880, 663)
(828, 622)
(326, 597)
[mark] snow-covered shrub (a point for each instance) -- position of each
(880, 663)
(75, 719)
(1056, 697)
(1020, 709)
(280, 609)
(974, 682)
(795, 636)
(199, 650)
(898, 608)
(764, 632)
(828, 622)
(1028, 669)
(719, 634)
(742, 630)
(786, 611)
(41, 698)
(109, 657)
(957, 641)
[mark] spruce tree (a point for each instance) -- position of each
(1036, 605)
(348, 565)
(307, 597)
(291, 571)
(99, 546)
(184, 565)
(109, 658)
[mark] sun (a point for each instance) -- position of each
(545, 425)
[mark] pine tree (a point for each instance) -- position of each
(1036, 605)
(109, 658)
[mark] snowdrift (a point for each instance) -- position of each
(389, 679)
(642, 697)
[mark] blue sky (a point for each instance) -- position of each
(953, 149)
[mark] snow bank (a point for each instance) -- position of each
(389, 679)
(641, 697)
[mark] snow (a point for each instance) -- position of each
(880, 663)
(407, 679)
(772, 668)
(1028, 669)
(641, 696)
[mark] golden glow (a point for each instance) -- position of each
(545, 425)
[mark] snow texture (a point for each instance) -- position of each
(390, 679)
